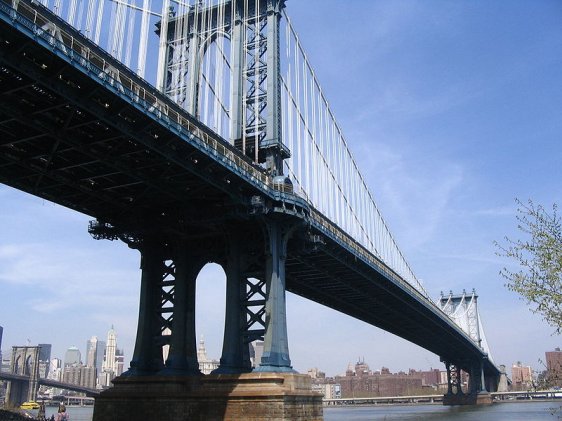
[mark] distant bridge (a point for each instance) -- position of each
(50, 383)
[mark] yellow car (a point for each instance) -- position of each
(29, 405)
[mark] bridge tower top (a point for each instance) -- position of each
(221, 62)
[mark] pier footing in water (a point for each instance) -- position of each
(251, 396)
(482, 398)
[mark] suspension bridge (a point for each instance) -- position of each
(196, 132)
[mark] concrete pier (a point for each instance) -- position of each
(232, 397)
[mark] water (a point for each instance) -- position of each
(512, 411)
(76, 413)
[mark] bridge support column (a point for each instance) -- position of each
(147, 356)
(166, 310)
(235, 353)
(276, 348)
(182, 356)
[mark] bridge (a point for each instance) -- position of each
(230, 155)
(24, 379)
(50, 383)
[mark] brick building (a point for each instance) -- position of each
(554, 367)
(521, 377)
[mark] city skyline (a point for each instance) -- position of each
(451, 111)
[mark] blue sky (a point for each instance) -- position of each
(452, 110)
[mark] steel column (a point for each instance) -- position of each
(182, 357)
(235, 354)
(276, 348)
(147, 356)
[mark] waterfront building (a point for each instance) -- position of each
(72, 357)
(554, 367)
(429, 378)
(521, 377)
(360, 381)
(206, 365)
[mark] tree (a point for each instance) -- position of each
(539, 256)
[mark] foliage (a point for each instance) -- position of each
(539, 256)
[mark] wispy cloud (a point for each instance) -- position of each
(415, 198)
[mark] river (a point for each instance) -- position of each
(512, 411)
(509, 411)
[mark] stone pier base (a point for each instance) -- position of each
(482, 398)
(248, 397)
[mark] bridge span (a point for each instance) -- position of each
(82, 130)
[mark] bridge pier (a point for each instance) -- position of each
(476, 393)
(254, 262)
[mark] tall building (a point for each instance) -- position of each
(1, 332)
(109, 365)
(44, 359)
(554, 367)
(521, 376)
(55, 369)
(95, 350)
(72, 357)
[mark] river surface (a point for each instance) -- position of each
(509, 411)
(512, 411)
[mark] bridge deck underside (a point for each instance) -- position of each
(71, 140)
(65, 138)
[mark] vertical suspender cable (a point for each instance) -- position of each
(163, 46)
(143, 39)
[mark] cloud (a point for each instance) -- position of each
(59, 276)
(413, 197)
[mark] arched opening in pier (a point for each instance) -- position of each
(209, 315)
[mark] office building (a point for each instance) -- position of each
(554, 367)
(72, 357)
(44, 359)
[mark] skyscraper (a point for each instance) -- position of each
(44, 359)
(1, 331)
(91, 351)
(72, 357)
(109, 361)
(109, 367)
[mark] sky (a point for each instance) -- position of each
(451, 109)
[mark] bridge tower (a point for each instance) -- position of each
(24, 362)
(463, 310)
(250, 245)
